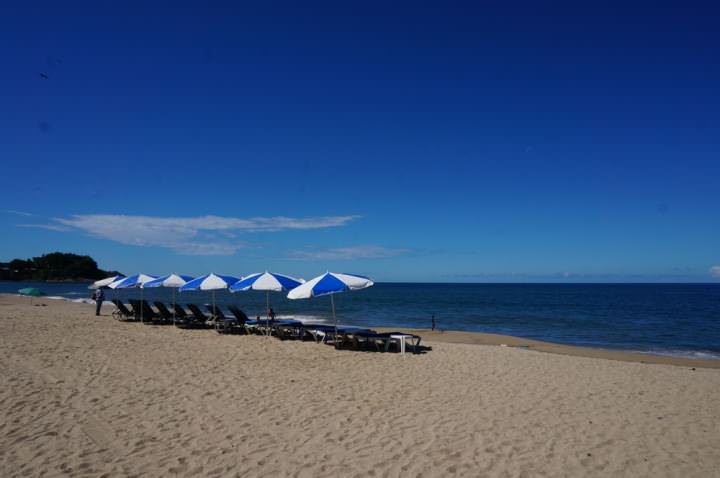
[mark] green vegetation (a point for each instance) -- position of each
(56, 266)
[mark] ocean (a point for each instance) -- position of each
(665, 319)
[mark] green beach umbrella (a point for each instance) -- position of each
(31, 291)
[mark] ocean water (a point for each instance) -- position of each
(667, 319)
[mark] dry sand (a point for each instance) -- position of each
(87, 396)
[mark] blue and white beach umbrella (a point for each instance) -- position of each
(267, 281)
(99, 284)
(173, 281)
(330, 283)
(170, 280)
(133, 281)
(211, 282)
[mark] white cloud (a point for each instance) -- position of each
(715, 271)
(347, 253)
(49, 227)
(19, 213)
(203, 235)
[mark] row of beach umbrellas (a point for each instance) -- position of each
(329, 283)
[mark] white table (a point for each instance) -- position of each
(402, 339)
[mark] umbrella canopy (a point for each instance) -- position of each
(116, 283)
(170, 280)
(98, 284)
(136, 280)
(330, 284)
(31, 291)
(267, 281)
(209, 282)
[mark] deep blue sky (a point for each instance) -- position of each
(476, 142)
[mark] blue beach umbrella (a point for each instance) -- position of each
(330, 283)
(173, 281)
(211, 282)
(269, 282)
(134, 281)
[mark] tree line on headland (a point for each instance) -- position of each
(56, 266)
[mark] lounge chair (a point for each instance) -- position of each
(197, 317)
(135, 303)
(384, 341)
(216, 316)
(235, 324)
(165, 315)
(238, 313)
(215, 311)
(121, 311)
(326, 333)
(288, 329)
(253, 326)
(149, 316)
(185, 320)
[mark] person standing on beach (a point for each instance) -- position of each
(433, 323)
(99, 297)
(271, 314)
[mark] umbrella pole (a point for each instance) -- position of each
(332, 304)
(142, 305)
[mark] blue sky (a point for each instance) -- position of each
(443, 143)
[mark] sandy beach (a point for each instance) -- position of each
(89, 396)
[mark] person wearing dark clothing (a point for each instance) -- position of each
(99, 297)
(433, 322)
(271, 314)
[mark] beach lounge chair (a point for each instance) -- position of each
(224, 324)
(149, 316)
(288, 329)
(216, 315)
(234, 324)
(185, 320)
(165, 315)
(352, 337)
(253, 326)
(179, 311)
(326, 333)
(319, 332)
(197, 317)
(121, 311)
(238, 313)
(135, 304)
(399, 340)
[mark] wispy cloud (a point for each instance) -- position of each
(19, 213)
(203, 235)
(715, 271)
(348, 253)
(49, 227)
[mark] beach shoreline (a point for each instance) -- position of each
(484, 338)
(481, 338)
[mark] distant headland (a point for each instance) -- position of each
(53, 267)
